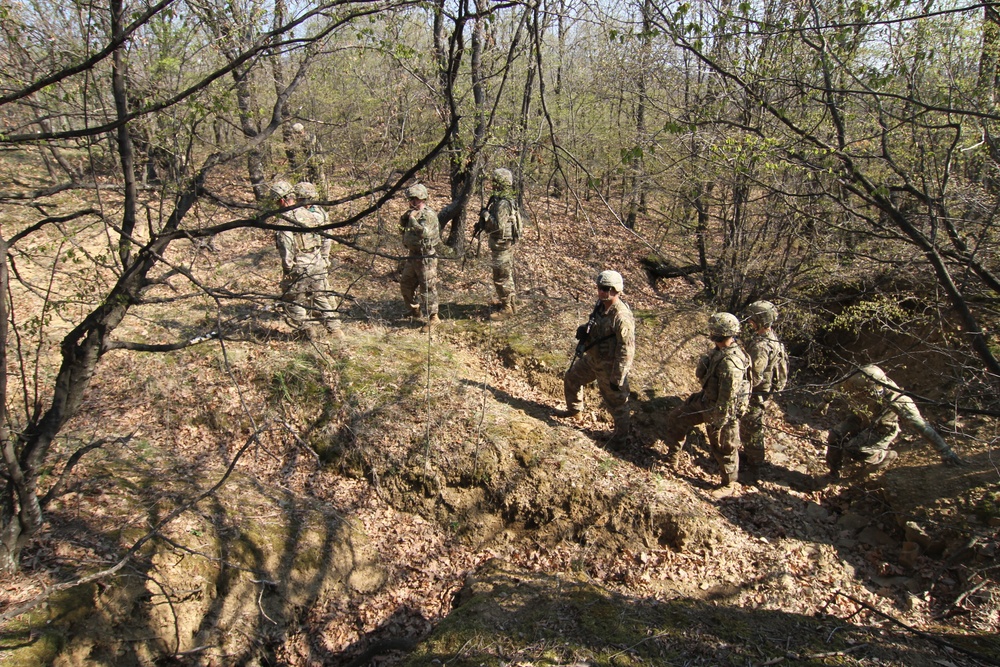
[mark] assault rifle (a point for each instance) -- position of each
(583, 334)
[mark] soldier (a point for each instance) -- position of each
(875, 405)
(303, 261)
(306, 155)
(421, 236)
(770, 371)
(500, 219)
(605, 352)
(307, 192)
(725, 375)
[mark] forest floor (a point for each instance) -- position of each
(463, 522)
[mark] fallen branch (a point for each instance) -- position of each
(920, 633)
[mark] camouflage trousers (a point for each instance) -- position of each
(418, 283)
(503, 275)
(723, 439)
(583, 372)
(307, 294)
(752, 431)
(860, 440)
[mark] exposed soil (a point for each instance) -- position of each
(405, 491)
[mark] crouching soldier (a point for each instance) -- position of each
(725, 375)
(875, 405)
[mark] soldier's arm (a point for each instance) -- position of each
(760, 358)
(907, 410)
(286, 249)
(729, 385)
(431, 228)
(625, 333)
(503, 226)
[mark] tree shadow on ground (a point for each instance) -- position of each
(516, 617)
(225, 580)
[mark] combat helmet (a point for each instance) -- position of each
(503, 176)
(418, 191)
(865, 376)
(281, 189)
(724, 325)
(764, 313)
(306, 190)
(611, 279)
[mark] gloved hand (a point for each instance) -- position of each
(615, 386)
(581, 332)
(950, 458)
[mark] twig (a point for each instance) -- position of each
(920, 633)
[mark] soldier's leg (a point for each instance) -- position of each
(837, 440)
(294, 300)
(429, 282)
(617, 402)
(872, 445)
(752, 432)
(577, 377)
(324, 306)
(408, 282)
(503, 277)
(680, 421)
(724, 440)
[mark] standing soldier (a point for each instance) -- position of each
(307, 192)
(501, 220)
(725, 393)
(770, 371)
(306, 154)
(876, 404)
(303, 261)
(421, 236)
(605, 352)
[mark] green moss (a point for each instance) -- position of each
(37, 638)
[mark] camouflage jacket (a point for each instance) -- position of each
(725, 376)
(611, 342)
(420, 230)
(770, 363)
(498, 222)
(303, 252)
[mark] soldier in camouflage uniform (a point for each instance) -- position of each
(725, 393)
(770, 368)
(605, 354)
(876, 404)
(497, 220)
(303, 261)
(421, 236)
(306, 155)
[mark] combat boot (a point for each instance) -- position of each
(336, 331)
(506, 310)
(431, 322)
(414, 312)
(886, 461)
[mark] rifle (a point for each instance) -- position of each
(583, 333)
